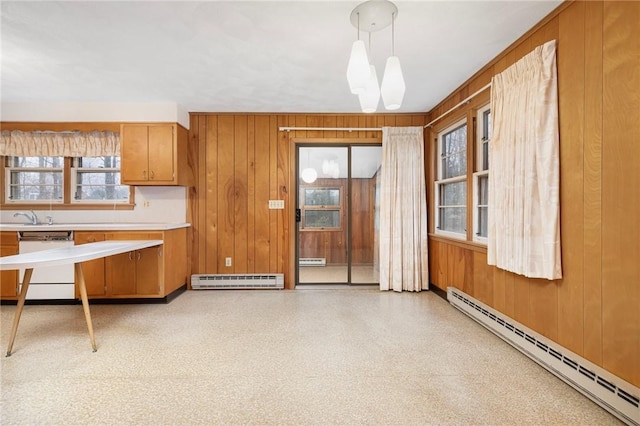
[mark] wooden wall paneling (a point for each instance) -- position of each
(330, 121)
(226, 191)
(482, 278)
(262, 216)
(251, 194)
(351, 121)
(457, 264)
(315, 121)
(521, 309)
(285, 188)
(210, 215)
(509, 294)
(403, 120)
(592, 315)
(442, 271)
(620, 194)
(240, 191)
(274, 137)
(198, 130)
(361, 221)
(571, 90)
(433, 262)
(499, 291)
(371, 122)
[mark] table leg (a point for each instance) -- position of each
(85, 303)
(21, 299)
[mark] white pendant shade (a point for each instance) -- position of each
(371, 97)
(393, 86)
(358, 71)
(309, 175)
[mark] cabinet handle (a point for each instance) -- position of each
(130, 256)
(139, 255)
(152, 175)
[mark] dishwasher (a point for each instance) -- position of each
(51, 282)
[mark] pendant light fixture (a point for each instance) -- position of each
(371, 16)
(393, 86)
(358, 72)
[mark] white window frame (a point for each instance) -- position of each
(440, 182)
(482, 139)
(10, 168)
(74, 183)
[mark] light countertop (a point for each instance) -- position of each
(125, 226)
(73, 254)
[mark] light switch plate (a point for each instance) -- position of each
(276, 204)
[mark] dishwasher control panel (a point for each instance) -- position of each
(45, 235)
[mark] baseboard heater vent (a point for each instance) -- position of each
(236, 281)
(620, 398)
(312, 261)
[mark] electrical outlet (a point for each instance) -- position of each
(276, 204)
(227, 261)
(146, 203)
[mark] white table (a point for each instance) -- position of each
(61, 256)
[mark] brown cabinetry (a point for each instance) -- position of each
(92, 270)
(153, 154)
(8, 279)
(135, 273)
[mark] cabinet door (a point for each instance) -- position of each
(121, 274)
(134, 153)
(147, 273)
(161, 158)
(93, 270)
(8, 279)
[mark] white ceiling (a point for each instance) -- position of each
(242, 56)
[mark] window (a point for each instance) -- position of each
(481, 175)
(35, 179)
(451, 184)
(97, 179)
(41, 180)
(321, 208)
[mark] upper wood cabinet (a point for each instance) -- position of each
(154, 154)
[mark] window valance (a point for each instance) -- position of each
(55, 144)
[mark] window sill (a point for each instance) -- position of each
(469, 245)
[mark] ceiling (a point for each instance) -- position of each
(244, 56)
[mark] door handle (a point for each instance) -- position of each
(298, 215)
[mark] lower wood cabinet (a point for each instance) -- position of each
(135, 273)
(140, 273)
(8, 279)
(93, 270)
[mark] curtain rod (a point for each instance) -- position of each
(464, 101)
(329, 129)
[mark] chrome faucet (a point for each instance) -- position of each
(32, 217)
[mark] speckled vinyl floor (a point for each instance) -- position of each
(304, 357)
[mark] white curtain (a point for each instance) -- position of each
(524, 182)
(403, 211)
(59, 144)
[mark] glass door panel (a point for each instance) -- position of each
(322, 207)
(364, 214)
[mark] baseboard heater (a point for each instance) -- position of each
(236, 281)
(312, 261)
(620, 398)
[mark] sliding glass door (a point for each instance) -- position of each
(337, 214)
